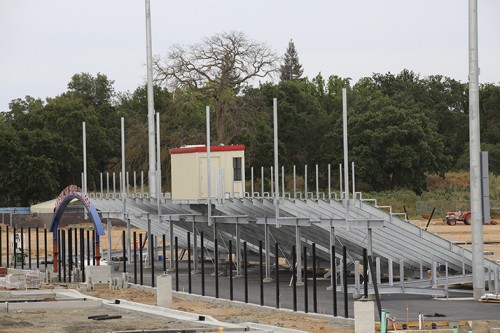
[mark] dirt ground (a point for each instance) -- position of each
(229, 314)
(461, 235)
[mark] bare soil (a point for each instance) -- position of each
(230, 314)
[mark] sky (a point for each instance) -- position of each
(44, 43)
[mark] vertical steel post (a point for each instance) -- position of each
(346, 157)
(305, 182)
(276, 171)
(58, 256)
(365, 274)
(76, 248)
(195, 249)
(267, 249)
(84, 140)
(44, 246)
(141, 249)
(341, 182)
(63, 257)
(124, 252)
(150, 93)
(329, 181)
(177, 264)
(209, 174)
(29, 247)
(334, 280)
(230, 270)
(246, 270)
(251, 182)
(294, 182)
(189, 262)
(317, 182)
(158, 168)
(152, 254)
(70, 253)
(475, 160)
(93, 247)
(164, 252)
(298, 256)
(123, 185)
(262, 181)
(261, 271)
(15, 246)
(315, 293)
(135, 257)
(216, 253)
(344, 268)
(237, 249)
(22, 248)
(7, 247)
(202, 250)
(294, 278)
(37, 248)
(171, 234)
(283, 181)
(353, 181)
(110, 244)
(277, 275)
(82, 254)
(306, 291)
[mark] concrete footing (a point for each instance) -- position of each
(364, 320)
(164, 291)
(98, 274)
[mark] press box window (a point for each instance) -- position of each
(237, 169)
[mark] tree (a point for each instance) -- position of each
(393, 142)
(291, 68)
(220, 67)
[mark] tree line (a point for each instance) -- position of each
(402, 127)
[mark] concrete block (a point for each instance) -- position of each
(98, 274)
(125, 281)
(164, 290)
(364, 318)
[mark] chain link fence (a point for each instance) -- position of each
(443, 206)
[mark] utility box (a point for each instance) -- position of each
(190, 178)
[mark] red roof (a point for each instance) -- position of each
(203, 149)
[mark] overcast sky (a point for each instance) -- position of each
(43, 43)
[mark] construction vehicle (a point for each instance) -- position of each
(452, 218)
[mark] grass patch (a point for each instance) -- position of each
(455, 186)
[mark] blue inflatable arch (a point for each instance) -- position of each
(65, 197)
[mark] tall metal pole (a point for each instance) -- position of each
(475, 151)
(84, 183)
(124, 190)
(158, 166)
(151, 116)
(276, 171)
(209, 190)
(346, 159)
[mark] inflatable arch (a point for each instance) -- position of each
(65, 197)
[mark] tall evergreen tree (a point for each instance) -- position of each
(291, 68)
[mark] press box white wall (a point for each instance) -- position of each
(189, 172)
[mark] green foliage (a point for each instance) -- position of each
(291, 69)
(393, 144)
(405, 132)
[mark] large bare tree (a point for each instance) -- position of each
(220, 66)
